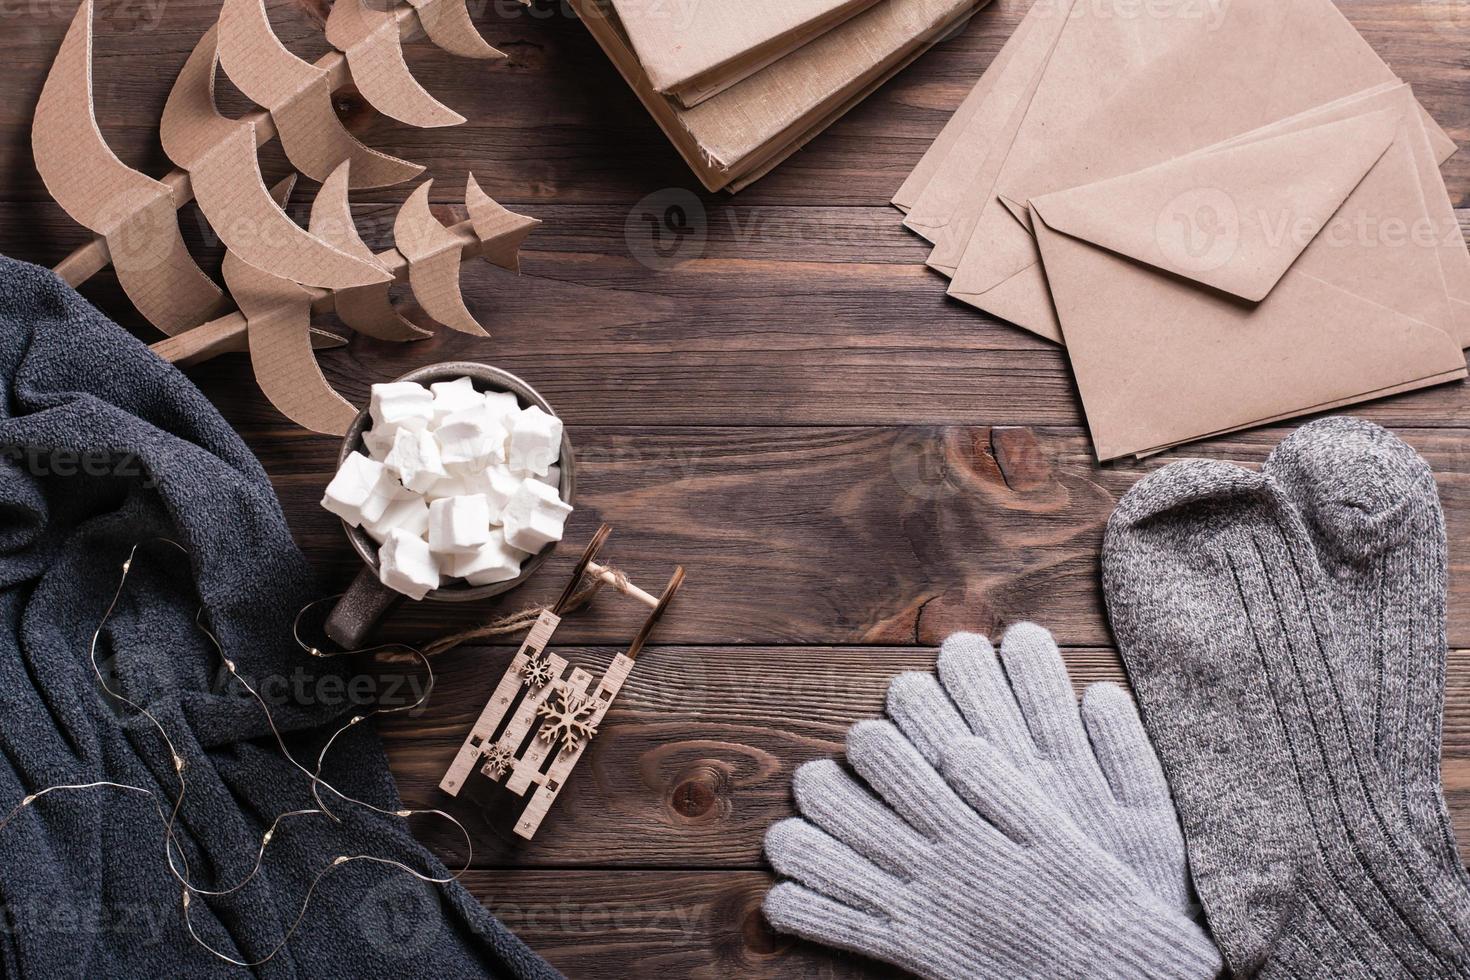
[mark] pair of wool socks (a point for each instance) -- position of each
(1284, 632)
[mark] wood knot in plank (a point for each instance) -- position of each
(1020, 458)
(756, 933)
(1009, 458)
(698, 791)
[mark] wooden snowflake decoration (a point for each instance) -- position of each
(568, 717)
(498, 761)
(537, 672)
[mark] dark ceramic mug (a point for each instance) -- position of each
(368, 600)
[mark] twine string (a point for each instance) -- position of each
(508, 625)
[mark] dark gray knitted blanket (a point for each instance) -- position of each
(103, 445)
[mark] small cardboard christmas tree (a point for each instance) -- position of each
(278, 273)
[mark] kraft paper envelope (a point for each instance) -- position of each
(946, 192)
(938, 161)
(1196, 74)
(694, 49)
(938, 152)
(1254, 280)
(975, 130)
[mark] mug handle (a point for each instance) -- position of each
(360, 609)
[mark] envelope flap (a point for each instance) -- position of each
(1232, 218)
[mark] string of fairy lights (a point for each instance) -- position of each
(168, 814)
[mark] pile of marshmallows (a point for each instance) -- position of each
(459, 484)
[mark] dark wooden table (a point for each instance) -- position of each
(781, 399)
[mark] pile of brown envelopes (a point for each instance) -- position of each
(739, 87)
(1229, 211)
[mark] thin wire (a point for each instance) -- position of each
(170, 818)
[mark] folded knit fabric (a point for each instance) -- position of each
(102, 445)
(965, 870)
(1304, 857)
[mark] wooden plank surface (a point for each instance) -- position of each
(779, 396)
(694, 761)
(704, 925)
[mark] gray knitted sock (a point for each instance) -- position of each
(1372, 508)
(1303, 859)
(1096, 765)
(971, 873)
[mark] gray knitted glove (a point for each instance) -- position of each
(971, 874)
(1097, 766)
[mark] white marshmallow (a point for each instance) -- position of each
(477, 481)
(535, 441)
(411, 514)
(463, 506)
(388, 492)
(503, 405)
(360, 491)
(449, 486)
(494, 561)
(458, 525)
(501, 485)
(406, 565)
(535, 516)
(415, 459)
(378, 440)
(401, 403)
(496, 484)
(552, 476)
(471, 440)
(480, 481)
(454, 396)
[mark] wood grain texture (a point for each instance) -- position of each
(698, 924)
(555, 122)
(694, 761)
(772, 390)
(771, 316)
(869, 535)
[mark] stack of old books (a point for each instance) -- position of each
(740, 86)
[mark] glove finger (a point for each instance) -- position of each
(916, 792)
(973, 677)
(982, 775)
(799, 911)
(924, 713)
(807, 854)
(839, 805)
(1038, 675)
(1122, 746)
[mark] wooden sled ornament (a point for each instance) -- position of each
(537, 723)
